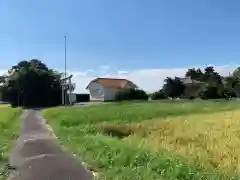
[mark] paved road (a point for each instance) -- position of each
(37, 155)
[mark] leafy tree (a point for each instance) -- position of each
(2, 79)
(194, 74)
(231, 81)
(173, 87)
(158, 95)
(236, 72)
(32, 83)
(210, 92)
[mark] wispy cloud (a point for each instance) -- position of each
(122, 72)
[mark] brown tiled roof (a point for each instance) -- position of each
(112, 83)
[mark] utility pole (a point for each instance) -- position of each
(65, 60)
(64, 95)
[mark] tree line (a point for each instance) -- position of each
(197, 83)
(30, 84)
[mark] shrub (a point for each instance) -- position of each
(131, 94)
(192, 97)
(229, 93)
(158, 95)
(210, 92)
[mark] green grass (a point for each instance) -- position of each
(9, 127)
(135, 112)
(80, 130)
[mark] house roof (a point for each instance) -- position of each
(112, 83)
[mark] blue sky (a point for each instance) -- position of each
(121, 34)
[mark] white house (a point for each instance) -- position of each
(105, 89)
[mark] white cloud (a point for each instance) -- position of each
(148, 79)
(2, 72)
(122, 72)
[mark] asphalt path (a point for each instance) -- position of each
(38, 156)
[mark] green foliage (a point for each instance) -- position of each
(32, 83)
(9, 127)
(131, 94)
(158, 95)
(210, 92)
(194, 74)
(173, 87)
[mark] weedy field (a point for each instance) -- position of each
(161, 140)
(9, 127)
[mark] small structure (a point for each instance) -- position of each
(67, 90)
(105, 89)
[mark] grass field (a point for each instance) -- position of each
(170, 140)
(9, 127)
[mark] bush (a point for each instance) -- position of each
(158, 95)
(211, 92)
(131, 94)
(229, 93)
(192, 97)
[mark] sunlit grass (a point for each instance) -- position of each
(9, 128)
(196, 140)
(212, 138)
(4, 105)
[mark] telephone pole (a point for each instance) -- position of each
(64, 99)
(65, 60)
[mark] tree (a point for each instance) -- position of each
(194, 74)
(2, 79)
(210, 92)
(232, 83)
(173, 87)
(32, 83)
(236, 72)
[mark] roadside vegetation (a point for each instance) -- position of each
(160, 140)
(9, 128)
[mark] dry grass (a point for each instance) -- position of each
(201, 139)
(212, 138)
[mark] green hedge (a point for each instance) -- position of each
(82, 97)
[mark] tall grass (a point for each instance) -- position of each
(79, 129)
(9, 127)
(134, 112)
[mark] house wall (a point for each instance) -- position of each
(96, 92)
(110, 94)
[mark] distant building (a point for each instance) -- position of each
(105, 89)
